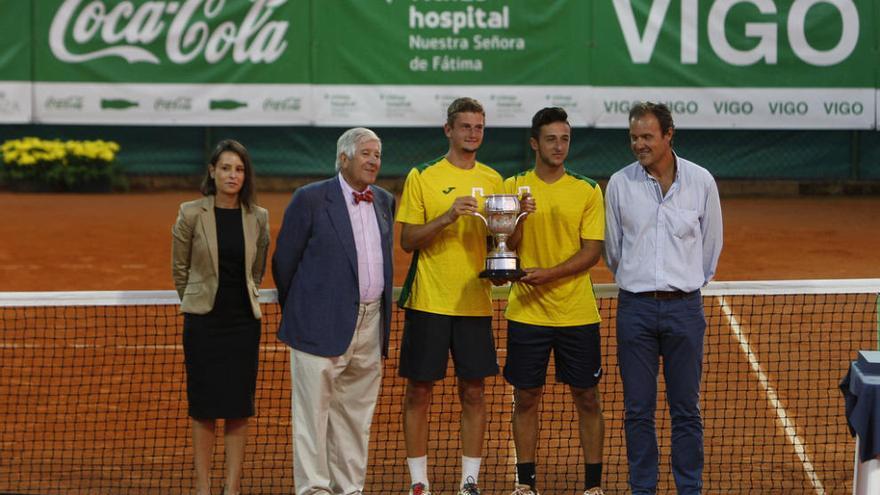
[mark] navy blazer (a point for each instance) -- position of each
(316, 272)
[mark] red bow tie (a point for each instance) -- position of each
(364, 196)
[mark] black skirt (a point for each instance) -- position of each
(221, 351)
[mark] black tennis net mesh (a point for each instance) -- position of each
(93, 401)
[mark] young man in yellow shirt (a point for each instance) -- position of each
(553, 306)
(448, 307)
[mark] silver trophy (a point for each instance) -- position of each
(502, 215)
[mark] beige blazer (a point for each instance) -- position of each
(194, 256)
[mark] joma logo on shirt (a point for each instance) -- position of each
(448, 190)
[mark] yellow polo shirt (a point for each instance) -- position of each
(567, 211)
(443, 277)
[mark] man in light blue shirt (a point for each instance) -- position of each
(663, 236)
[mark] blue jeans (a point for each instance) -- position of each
(648, 328)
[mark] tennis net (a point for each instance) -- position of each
(92, 398)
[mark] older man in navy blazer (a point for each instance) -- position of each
(333, 269)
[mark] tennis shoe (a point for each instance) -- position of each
(594, 491)
(419, 489)
(524, 490)
(470, 487)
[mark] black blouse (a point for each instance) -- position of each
(230, 244)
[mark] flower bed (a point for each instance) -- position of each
(34, 164)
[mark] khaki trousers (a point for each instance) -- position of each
(333, 402)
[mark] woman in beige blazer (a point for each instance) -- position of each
(219, 248)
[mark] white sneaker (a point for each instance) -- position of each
(469, 488)
(419, 489)
(594, 491)
(524, 490)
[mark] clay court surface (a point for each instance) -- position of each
(94, 402)
(123, 242)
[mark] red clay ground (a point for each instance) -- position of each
(122, 242)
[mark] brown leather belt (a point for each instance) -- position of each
(665, 294)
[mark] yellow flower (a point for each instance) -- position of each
(29, 151)
(27, 160)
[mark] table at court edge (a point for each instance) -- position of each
(863, 416)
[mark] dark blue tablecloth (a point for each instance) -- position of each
(861, 393)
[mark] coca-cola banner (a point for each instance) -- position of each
(15, 62)
(717, 63)
(221, 62)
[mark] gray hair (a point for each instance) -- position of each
(348, 141)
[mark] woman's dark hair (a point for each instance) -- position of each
(248, 194)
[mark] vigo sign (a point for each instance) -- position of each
(765, 34)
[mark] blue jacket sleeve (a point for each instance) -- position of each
(292, 238)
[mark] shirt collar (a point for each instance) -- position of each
(647, 176)
(347, 190)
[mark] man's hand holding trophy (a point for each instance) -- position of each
(503, 213)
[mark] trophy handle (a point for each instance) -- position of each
(522, 190)
(474, 192)
(484, 219)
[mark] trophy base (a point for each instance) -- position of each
(503, 274)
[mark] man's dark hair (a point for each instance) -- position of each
(659, 110)
(547, 115)
(248, 194)
(463, 105)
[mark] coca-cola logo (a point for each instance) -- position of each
(127, 29)
(7, 105)
(290, 104)
(173, 104)
(64, 103)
